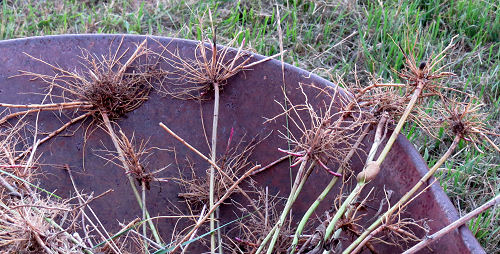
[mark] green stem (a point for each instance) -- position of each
(361, 182)
(287, 208)
(212, 169)
(144, 215)
(266, 239)
(269, 235)
(342, 209)
(405, 198)
(297, 187)
(323, 194)
(401, 122)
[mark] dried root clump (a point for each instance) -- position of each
(466, 120)
(208, 70)
(370, 102)
(404, 232)
(212, 66)
(428, 72)
(104, 84)
(463, 119)
(115, 92)
(326, 135)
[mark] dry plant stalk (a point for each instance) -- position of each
(207, 72)
(454, 225)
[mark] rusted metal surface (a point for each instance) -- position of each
(248, 98)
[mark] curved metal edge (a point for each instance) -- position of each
(442, 199)
(287, 66)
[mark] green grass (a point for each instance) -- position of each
(310, 30)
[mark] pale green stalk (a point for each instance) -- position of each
(401, 122)
(405, 198)
(380, 159)
(266, 239)
(361, 182)
(354, 194)
(297, 187)
(144, 214)
(269, 235)
(212, 169)
(323, 194)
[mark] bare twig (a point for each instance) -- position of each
(430, 239)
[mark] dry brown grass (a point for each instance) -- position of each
(246, 236)
(234, 162)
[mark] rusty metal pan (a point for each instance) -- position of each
(246, 101)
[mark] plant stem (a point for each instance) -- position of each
(430, 239)
(323, 194)
(194, 233)
(266, 239)
(212, 169)
(143, 185)
(121, 156)
(13, 191)
(354, 194)
(401, 122)
(54, 133)
(73, 239)
(379, 137)
(406, 197)
(372, 234)
(273, 230)
(212, 163)
(300, 179)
